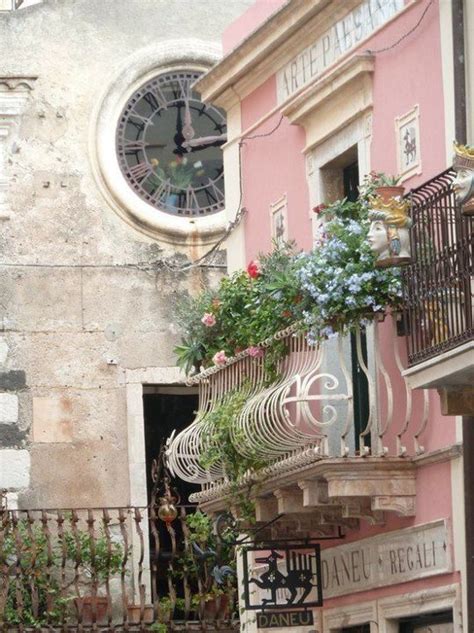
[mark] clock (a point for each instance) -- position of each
(169, 146)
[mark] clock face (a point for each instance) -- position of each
(169, 146)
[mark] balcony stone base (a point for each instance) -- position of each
(457, 401)
(328, 494)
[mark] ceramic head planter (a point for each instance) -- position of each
(389, 231)
(463, 184)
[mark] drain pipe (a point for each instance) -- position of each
(460, 113)
(468, 466)
(459, 63)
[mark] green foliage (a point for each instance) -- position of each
(99, 557)
(38, 593)
(221, 449)
(384, 180)
(222, 437)
(246, 309)
(33, 595)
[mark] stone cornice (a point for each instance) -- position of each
(274, 44)
(325, 87)
(255, 58)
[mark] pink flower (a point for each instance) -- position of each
(219, 358)
(254, 269)
(255, 352)
(208, 319)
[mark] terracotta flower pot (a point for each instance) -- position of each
(390, 191)
(91, 606)
(217, 608)
(133, 612)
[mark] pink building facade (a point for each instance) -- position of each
(319, 93)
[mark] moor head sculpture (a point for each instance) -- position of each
(388, 235)
(463, 184)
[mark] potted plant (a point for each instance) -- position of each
(134, 612)
(340, 274)
(208, 565)
(99, 560)
(387, 187)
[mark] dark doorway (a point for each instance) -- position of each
(360, 386)
(362, 628)
(167, 408)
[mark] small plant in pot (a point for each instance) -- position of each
(209, 567)
(99, 559)
(387, 187)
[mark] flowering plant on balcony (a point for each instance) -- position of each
(339, 276)
(246, 308)
(331, 289)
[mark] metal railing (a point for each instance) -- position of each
(306, 414)
(438, 285)
(114, 569)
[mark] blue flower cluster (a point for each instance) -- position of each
(340, 277)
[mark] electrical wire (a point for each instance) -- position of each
(238, 215)
(403, 37)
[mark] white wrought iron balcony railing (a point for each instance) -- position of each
(307, 418)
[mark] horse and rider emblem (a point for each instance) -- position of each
(277, 577)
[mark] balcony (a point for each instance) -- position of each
(108, 569)
(439, 289)
(324, 463)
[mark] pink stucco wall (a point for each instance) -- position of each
(273, 166)
(406, 76)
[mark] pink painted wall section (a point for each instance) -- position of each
(434, 502)
(249, 22)
(258, 104)
(273, 166)
(406, 76)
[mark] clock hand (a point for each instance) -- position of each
(205, 140)
(188, 130)
(178, 137)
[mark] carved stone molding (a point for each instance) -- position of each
(17, 83)
(403, 506)
(14, 95)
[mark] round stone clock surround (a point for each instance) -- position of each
(145, 66)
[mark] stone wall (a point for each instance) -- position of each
(84, 296)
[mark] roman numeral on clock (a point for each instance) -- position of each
(131, 147)
(140, 171)
(163, 191)
(156, 99)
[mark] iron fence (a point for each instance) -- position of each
(438, 285)
(114, 569)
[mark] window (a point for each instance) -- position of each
(431, 623)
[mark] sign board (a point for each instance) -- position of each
(286, 576)
(387, 559)
(277, 619)
(338, 40)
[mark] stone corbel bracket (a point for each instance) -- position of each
(14, 95)
(336, 492)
